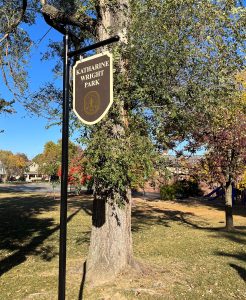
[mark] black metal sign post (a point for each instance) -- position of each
(64, 172)
(64, 166)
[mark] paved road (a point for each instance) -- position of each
(43, 187)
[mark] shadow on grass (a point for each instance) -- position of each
(83, 201)
(82, 285)
(241, 256)
(149, 215)
(154, 216)
(218, 204)
(84, 239)
(238, 208)
(23, 234)
(237, 236)
(241, 271)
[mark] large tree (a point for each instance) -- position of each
(14, 164)
(172, 63)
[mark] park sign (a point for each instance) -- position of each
(93, 87)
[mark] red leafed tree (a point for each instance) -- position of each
(76, 172)
(77, 176)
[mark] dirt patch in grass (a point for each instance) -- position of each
(151, 282)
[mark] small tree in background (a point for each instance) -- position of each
(224, 137)
(225, 159)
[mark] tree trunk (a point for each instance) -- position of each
(110, 248)
(228, 206)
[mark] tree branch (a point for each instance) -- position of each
(60, 28)
(12, 27)
(4, 37)
(58, 19)
(98, 11)
(22, 13)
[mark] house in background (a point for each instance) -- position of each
(179, 168)
(32, 174)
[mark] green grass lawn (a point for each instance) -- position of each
(183, 251)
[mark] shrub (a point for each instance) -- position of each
(180, 189)
(167, 192)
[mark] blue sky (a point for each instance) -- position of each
(23, 133)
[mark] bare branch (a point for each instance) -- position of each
(4, 37)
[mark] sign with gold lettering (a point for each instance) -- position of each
(93, 87)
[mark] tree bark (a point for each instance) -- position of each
(228, 206)
(110, 248)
